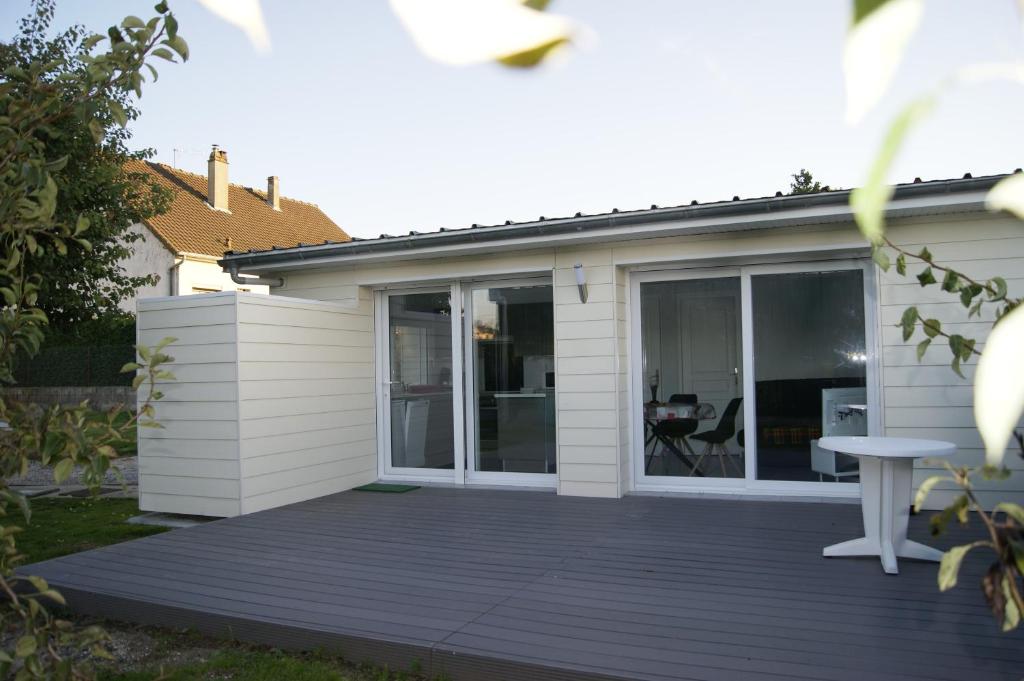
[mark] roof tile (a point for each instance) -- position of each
(192, 226)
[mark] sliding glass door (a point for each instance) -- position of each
(467, 383)
(510, 388)
(419, 384)
(737, 372)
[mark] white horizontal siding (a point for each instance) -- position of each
(306, 409)
(926, 399)
(190, 465)
(586, 369)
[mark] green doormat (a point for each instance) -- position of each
(384, 487)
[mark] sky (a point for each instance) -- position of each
(670, 100)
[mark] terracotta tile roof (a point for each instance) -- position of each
(191, 226)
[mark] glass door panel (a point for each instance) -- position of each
(512, 394)
(810, 372)
(420, 381)
(690, 333)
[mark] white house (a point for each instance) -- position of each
(209, 216)
(527, 354)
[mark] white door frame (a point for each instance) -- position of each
(473, 476)
(385, 470)
(748, 484)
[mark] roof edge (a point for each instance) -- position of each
(591, 223)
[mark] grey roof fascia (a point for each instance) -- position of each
(280, 258)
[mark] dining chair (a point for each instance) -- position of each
(714, 440)
(683, 398)
(674, 430)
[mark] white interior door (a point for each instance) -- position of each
(710, 348)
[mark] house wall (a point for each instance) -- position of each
(191, 465)
(926, 399)
(194, 274)
(149, 256)
(272, 403)
(592, 343)
(307, 412)
(206, 276)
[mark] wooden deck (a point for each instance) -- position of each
(478, 584)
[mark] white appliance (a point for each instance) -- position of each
(843, 412)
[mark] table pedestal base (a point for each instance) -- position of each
(885, 503)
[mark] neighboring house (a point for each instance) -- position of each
(209, 216)
(526, 354)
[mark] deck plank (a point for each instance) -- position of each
(530, 585)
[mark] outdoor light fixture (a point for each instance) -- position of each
(581, 282)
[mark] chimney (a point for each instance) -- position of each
(274, 192)
(217, 179)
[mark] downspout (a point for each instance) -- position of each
(253, 281)
(172, 275)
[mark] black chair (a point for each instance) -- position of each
(683, 398)
(675, 430)
(714, 440)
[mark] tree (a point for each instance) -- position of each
(42, 101)
(84, 285)
(804, 183)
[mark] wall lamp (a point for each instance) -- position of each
(581, 281)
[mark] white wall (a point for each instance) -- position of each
(202, 275)
(193, 274)
(191, 465)
(149, 256)
(307, 410)
(592, 362)
(926, 399)
(272, 403)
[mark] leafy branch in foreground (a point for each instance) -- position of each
(39, 96)
(974, 294)
(61, 438)
(1004, 527)
(879, 33)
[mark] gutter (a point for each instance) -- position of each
(777, 211)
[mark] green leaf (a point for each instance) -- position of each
(926, 277)
(26, 646)
(1011, 615)
(1008, 195)
(130, 367)
(908, 321)
(880, 257)
(951, 282)
(862, 8)
(901, 265)
(172, 25)
(1015, 511)
(132, 22)
(922, 347)
(62, 471)
(999, 284)
(925, 255)
(949, 568)
(998, 388)
(164, 53)
(530, 58)
(117, 113)
(925, 489)
(931, 327)
(178, 44)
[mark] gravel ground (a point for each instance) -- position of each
(39, 475)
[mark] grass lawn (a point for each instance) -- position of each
(62, 525)
(148, 653)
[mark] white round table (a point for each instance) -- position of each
(886, 477)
